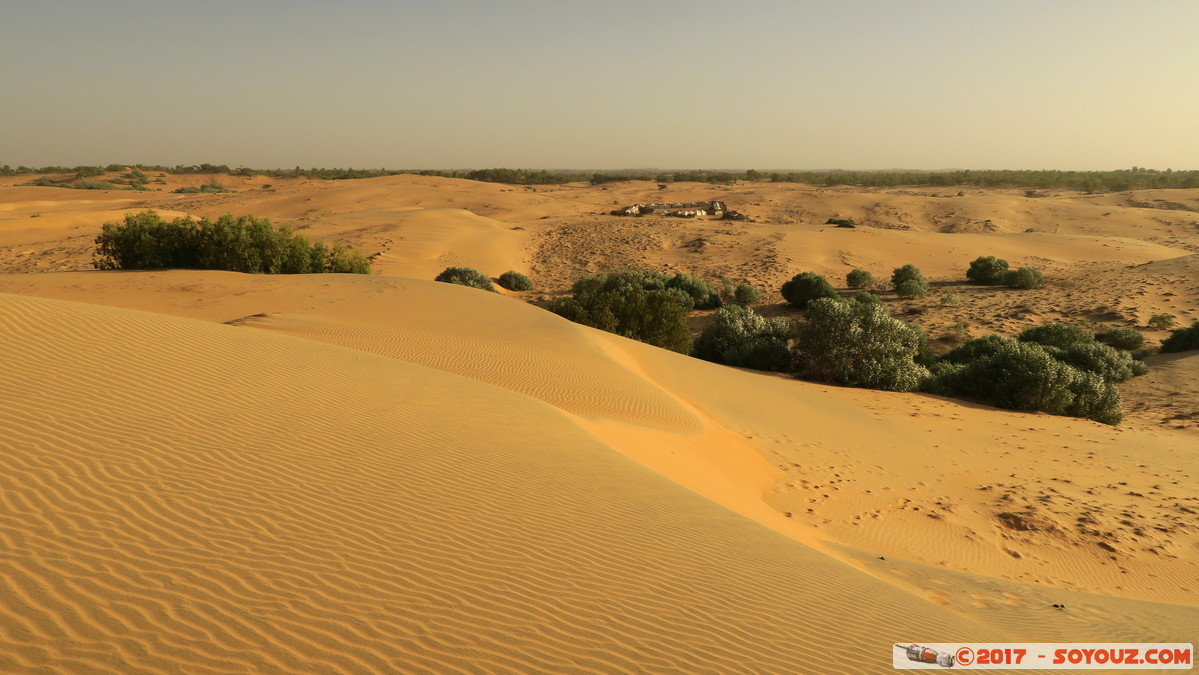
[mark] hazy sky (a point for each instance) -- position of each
(765, 84)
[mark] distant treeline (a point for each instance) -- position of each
(1089, 181)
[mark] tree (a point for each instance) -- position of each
(987, 271)
(739, 337)
(859, 279)
(806, 287)
(858, 345)
(918, 285)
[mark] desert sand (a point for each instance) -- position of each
(216, 472)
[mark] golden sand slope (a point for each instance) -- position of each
(209, 497)
(188, 496)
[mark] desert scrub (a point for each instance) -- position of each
(242, 244)
(696, 293)
(746, 294)
(858, 345)
(466, 276)
(987, 271)
(635, 304)
(909, 282)
(738, 336)
(1030, 376)
(207, 188)
(805, 287)
(1183, 339)
(1057, 335)
(1161, 321)
(515, 281)
(859, 279)
(1128, 339)
(1025, 278)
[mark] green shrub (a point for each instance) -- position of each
(858, 345)
(1182, 339)
(911, 288)
(1057, 335)
(1128, 339)
(515, 281)
(859, 279)
(739, 337)
(1030, 376)
(1161, 321)
(909, 273)
(466, 276)
(1009, 374)
(987, 271)
(806, 287)
(1092, 357)
(657, 317)
(976, 348)
(746, 294)
(1025, 278)
(867, 298)
(702, 294)
(207, 188)
(1095, 398)
(244, 244)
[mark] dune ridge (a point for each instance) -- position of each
(312, 514)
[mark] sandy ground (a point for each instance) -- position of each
(216, 472)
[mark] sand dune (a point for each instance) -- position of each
(292, 506)
(216, 472)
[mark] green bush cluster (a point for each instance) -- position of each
(1056, 368)
(1161, 321)
(858, 345)
(746, 294)
(1181, 340)
(242, 244)
(695, 293)
(859, 279)
(739, 337)
(1024, 278)
(987, 271)
(1128, 339)
(909, 282)
(805, 287)
(515, 281)
(466, 276)
(213, 187)
(1057, 335)
(645, 306)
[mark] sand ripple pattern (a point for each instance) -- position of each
(178, 496)
(552, 372)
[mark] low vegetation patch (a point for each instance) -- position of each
(987, 271)
(805, 287)
(859, 279)
(207, 188)
(739, 337)
(1181, 340)
(466, 276)
(243, 244)
(645, 306)
(858, 345)
(909, 282)
(746, 294)
(515, 281)
(1025, 278)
